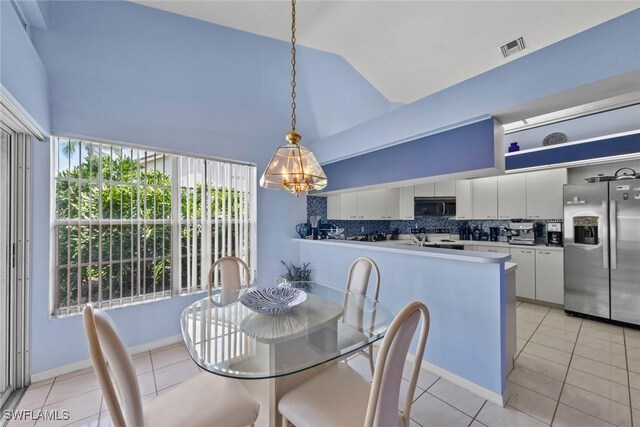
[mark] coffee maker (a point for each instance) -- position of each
(554, 234)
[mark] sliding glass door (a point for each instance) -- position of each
(5, 325)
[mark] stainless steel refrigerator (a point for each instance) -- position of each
(602, 250)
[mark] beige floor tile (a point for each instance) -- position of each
(528, 316)
(412, 423)
(595, 405)
(633, 365)
(360, 364)
(147, 384)
(65, 388)
(34, 397)
(601, 344)
(533, 308)
(526, 325)
(632, 342)
(74, 374)
(567, 324)
(542, 366)
(495, 416)
(600, 369)
(175, 354)
(537, 382)
(174, 374)
(600, 386)
(548, 353)
(18, 423)
(520, 343)
(635, 398)
(142, 363)
(404, 388)
(557, 333)
(633, 353)
(105, 419)
(425, 379)
(601, 356)
(557, 343)
(92, 421)
(79, 407)
(567, 416)
(523, 334)
(430, 411)
(476, 423)
(179, 343)
(634, 380)
(42, 383)
(457, 397)
(636, 416)
(531, 403)
(614, 337)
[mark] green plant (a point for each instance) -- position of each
(297, 273)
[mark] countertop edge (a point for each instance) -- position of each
(450, 254)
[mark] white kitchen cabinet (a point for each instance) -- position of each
(425, 190)
(493, 249)
(349, 206)
(470, 247)
(544, 193)
(391, 201)
(512, 196)
(550, 276)
(406, 202)
(333, 207)
(445, 189)
(526, 272)
(464, 208)
(485, 198)
(371, 204)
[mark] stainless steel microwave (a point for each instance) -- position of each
(434, 206)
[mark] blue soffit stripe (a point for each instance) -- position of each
(607, 147)
(461, 149)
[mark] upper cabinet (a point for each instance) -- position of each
(371, 204)
(464, 207)
(333, 207)
(485, 197)
(348, 206)
(436, 189)
(406, 197)
(544, 193)
(512, 196)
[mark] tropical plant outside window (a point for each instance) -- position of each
(133, 224)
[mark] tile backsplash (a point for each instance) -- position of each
(317, 206)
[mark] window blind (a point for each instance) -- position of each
(133, 224)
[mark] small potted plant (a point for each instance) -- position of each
(296, 275)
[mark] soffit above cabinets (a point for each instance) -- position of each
(410, 49)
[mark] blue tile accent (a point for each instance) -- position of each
(317, 206)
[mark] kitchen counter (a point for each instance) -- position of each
(471, 297)
(475, 243)
(405, 246)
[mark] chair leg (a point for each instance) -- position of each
(370, 354)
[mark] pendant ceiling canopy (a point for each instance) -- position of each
(293, 167)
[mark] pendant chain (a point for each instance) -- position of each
(293, 64)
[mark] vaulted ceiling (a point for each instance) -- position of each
(410, 49)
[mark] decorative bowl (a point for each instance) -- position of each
(278, 300)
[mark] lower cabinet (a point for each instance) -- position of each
(550, 276)
(490, 248)
(526, 272)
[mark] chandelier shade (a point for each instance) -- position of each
(293, 168)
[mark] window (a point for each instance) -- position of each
(132, 224)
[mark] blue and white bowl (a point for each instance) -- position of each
(278, 300)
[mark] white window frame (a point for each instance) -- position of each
(240, 176)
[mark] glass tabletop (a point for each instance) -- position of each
(227, 338)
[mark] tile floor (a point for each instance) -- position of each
(568, 372)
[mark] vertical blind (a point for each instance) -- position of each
(133, 224)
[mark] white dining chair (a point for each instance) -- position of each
(339, 396)
(358, 279)
(231, 269)
(203, 400)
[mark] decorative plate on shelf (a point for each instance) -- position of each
(554, 138)
(278, 300)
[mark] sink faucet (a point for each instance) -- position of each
(420, 241)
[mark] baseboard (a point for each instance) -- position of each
(474, 388)
(83, 364)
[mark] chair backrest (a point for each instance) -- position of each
(230, 275)
(358, 277)
(384, 399)
(105, 346)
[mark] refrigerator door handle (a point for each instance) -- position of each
(613, 223)
(604, 238)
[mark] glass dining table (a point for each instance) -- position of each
(226, 338)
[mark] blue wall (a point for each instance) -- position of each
(462, 149)
(606, 50)
(125, 72)
(22, 73)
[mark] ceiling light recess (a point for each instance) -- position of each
(514, 46)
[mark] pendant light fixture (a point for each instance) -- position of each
(293, 167)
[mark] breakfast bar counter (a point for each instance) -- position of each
(470, 296)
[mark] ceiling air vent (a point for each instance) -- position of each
(513, 46)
